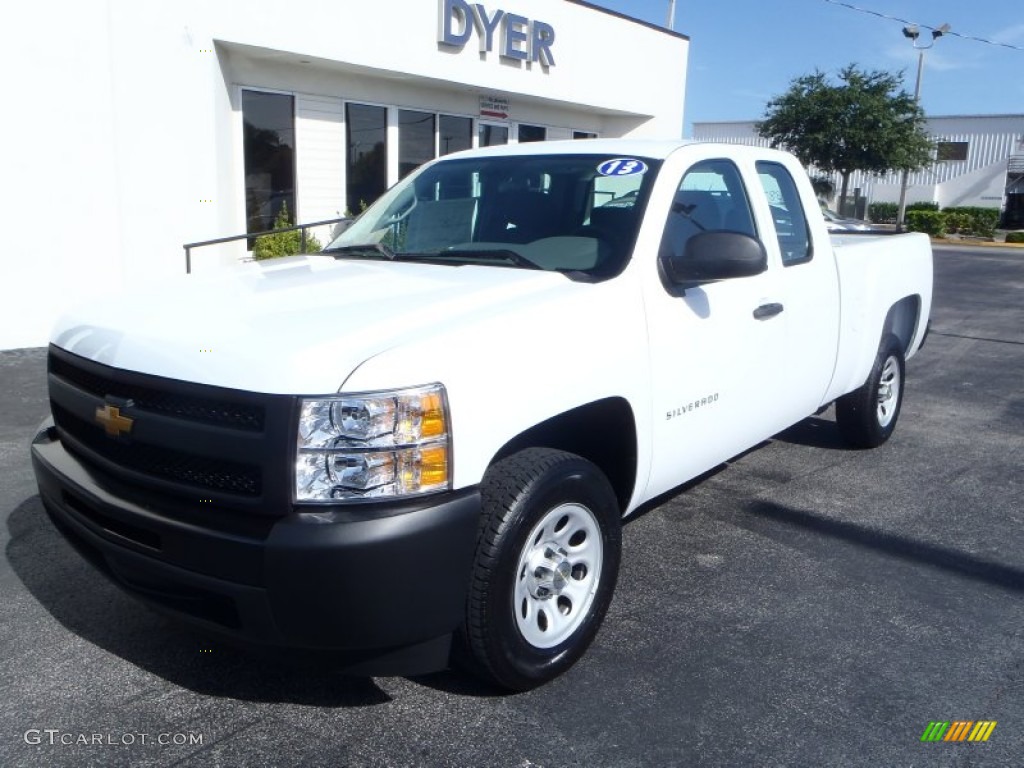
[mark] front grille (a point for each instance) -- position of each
(206, 410)
(190, 444)
(197, 471)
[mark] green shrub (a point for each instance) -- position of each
(958, 222)
(1015, 237)
(283, 243)
(930, 222)
(972, 220)
(883, 213)
(923, 206)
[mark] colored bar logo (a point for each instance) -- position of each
(958, 730)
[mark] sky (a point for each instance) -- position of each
(743, 52)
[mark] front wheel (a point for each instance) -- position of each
(546, 565)
(867, 416)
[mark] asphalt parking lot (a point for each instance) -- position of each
(806, 605)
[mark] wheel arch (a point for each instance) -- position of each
(862, 334)
(903, 320)
(603, 432)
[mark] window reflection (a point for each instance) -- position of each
(366, 133)
(268, 121)
(456, 134)
(492, 135)
(532, 133)
(415, 140)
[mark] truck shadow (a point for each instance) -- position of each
(100, 613)
(814, 432)
(762, 517)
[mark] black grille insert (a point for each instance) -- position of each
(198, 471)
(206, 410)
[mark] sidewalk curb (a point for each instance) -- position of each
(974, 243)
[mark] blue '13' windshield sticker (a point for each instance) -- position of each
(622, 166)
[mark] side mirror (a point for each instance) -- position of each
(712, 256)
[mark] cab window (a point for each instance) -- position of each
(787, 213)
(711, 197)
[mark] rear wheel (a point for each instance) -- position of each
(546, 565)
(867, 416)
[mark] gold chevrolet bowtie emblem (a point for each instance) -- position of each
(113, 422)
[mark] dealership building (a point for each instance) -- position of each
(153, 125)
(979, 161)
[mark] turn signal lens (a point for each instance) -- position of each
(373, 445)
(433, 424)
(432, 466)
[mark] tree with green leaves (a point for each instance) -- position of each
(865, 122)
(823, 186)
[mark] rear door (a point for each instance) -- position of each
(807, 286)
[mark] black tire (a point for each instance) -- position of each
(864, 418)
(519, 494)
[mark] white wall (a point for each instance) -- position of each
(62, 171)
(983, 187)
(128, 132)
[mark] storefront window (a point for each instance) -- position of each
(584, 135)
(366, 129)
(492, 135)
(415, 140)
(456, 134)
(532, 133)
(268, 121)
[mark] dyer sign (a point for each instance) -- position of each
(518, 37)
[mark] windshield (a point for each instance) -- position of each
(568, 213)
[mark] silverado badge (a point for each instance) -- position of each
(113, 422)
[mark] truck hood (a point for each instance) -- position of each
(297, 326)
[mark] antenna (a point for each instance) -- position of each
(671, 23)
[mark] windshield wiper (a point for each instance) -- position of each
(363, 249)
(492, 254)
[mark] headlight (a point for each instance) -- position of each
(373, 445)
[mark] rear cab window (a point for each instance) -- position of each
(788, 217)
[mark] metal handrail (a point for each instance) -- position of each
(301, 227)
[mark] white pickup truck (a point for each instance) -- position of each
(420, 444)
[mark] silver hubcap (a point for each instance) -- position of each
(888, 391)
(557, 576)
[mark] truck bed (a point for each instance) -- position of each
(875, 272)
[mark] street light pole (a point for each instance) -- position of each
(913, 33)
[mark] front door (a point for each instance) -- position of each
(715, 348)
